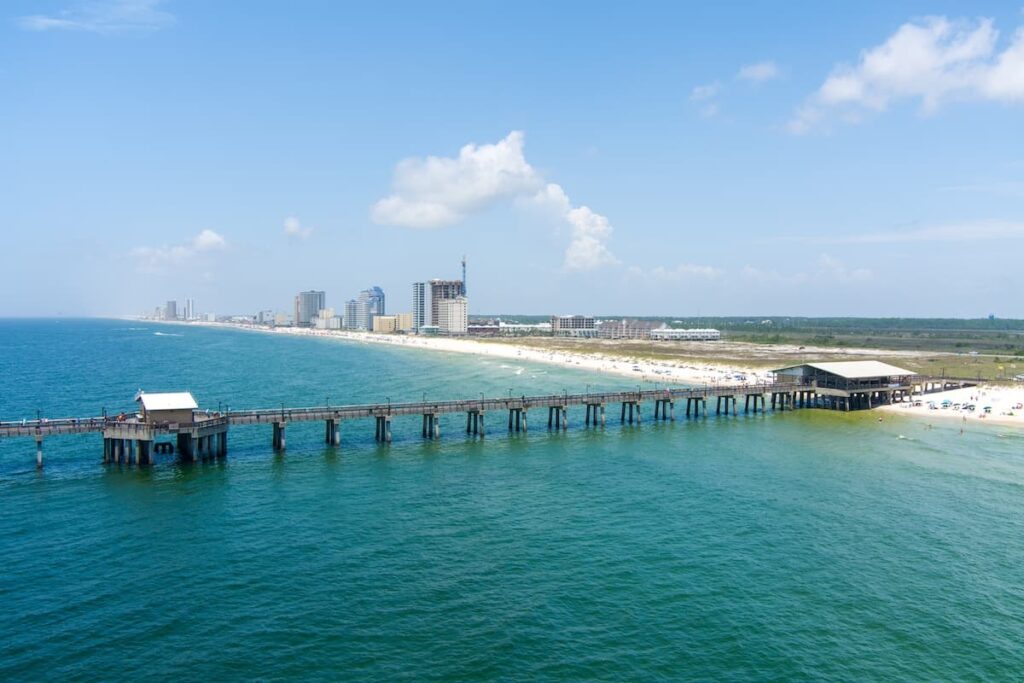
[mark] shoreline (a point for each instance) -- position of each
(640, 369)
(1002, 399)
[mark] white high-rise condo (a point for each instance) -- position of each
(419, 305)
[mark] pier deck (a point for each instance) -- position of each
(132, 438)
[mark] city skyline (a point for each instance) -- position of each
(804, 161)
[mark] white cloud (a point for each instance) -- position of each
(684, 272)
(827, 270)
(704, 96)
(933, 60)
(158, 259)
(294, 228)
(441, 191)
(208, 240)
(702, 93)
(588, 248)
(102, 16)
(759, 72)
(832, 269)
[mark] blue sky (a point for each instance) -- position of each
(642, 158)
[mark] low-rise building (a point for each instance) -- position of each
(573, 326)
(524, 329)
(405, 322)
(385, 324)
(160, 408)
(693, 334)
(626, 329)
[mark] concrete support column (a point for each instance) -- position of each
(39, 452)
(565, 418)
(602, 415)
(143, 448)
(278, 440)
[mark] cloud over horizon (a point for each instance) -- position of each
(436, 192)
(933, 61)
(159, 259)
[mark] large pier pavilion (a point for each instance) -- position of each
(850, 385)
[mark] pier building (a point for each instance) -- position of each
(851, 385)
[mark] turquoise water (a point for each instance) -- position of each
(806, 545)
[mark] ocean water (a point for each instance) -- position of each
(804, 545)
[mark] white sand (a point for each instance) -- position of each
(642, 370)
(1007, 405)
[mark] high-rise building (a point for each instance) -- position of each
(452, 315)
(355, 313)
(307, 304)
(439, 291)
(373, 299)
(171, 311)
(190, 309)
(419, 305)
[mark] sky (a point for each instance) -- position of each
(789, 158)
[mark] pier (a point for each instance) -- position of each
(169, 423)
(174, 423)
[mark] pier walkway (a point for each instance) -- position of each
(132, 438)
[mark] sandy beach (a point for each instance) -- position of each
(640, 369)
(1006, 403)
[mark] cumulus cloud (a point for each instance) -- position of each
(436, 192)
(294, 228)
(590, 232)
(159, 259)
(440, 191)
(932, 61)
(102, 16)
(759, 72)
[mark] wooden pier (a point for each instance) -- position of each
(198, 434)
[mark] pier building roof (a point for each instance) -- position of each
(855, 369)
(180, 400)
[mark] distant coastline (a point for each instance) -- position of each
(640, 369)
